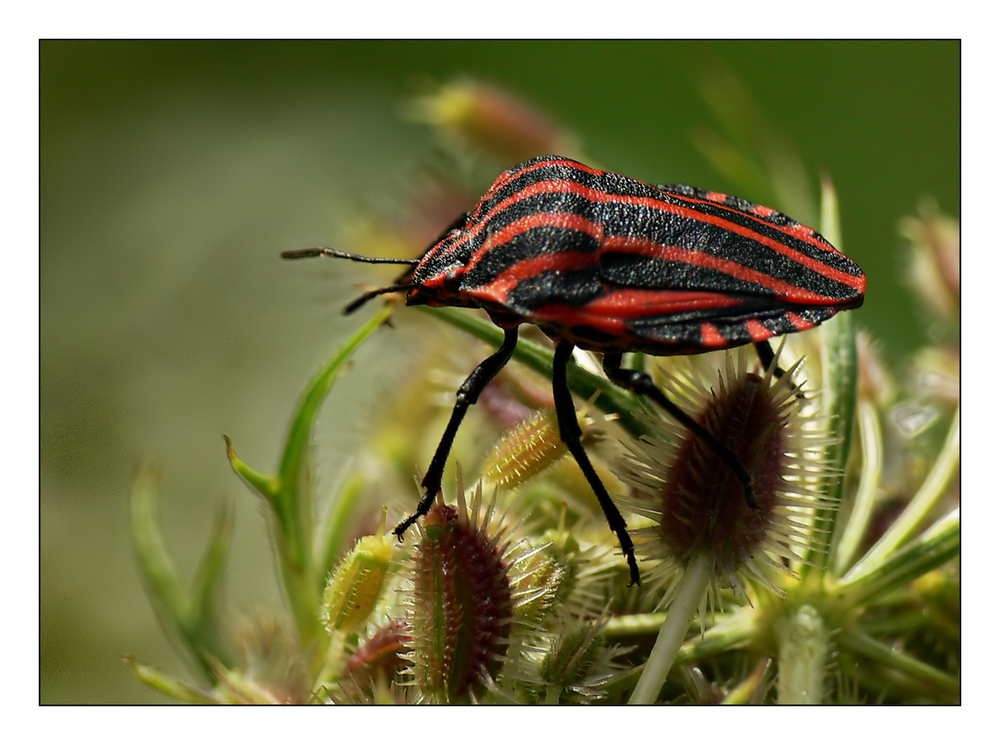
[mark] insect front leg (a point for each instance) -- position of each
(639, 382)
(467, 395)
(571, 434)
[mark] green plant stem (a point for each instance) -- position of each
(915, 673)
(839, 362)
(294, 473)
(937, 545)
(864, 501)
(683, 608)
(803, 651)
(916, 512)
(302, 578)
(301, 565)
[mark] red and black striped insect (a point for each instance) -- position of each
(610, 264)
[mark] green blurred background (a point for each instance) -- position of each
(173, 173)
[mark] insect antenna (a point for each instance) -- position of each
(359, 301)
(333, 253)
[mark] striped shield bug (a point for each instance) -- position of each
(610, 264)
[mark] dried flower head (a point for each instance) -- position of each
(492, 120)
(695, 502)
(934, 260)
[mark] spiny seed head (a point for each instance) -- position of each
(697, 504)
(375, 666)
(577, 668)
(462, 602)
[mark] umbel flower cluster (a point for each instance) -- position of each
(841, 586)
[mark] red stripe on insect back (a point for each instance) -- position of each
(507, 176)
(717, 199)
(552, 186)
(632, 304)
(798, 321)
(762, 211)
(645, 247)
(858, 283)
(496, 291)
(758, 331)
(563, 220)
(711, 337)
(481, 222)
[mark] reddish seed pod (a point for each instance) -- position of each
(463, 604)
(610, 264)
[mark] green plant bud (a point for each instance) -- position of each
(528, 448)
(356, 584)
(545, 580)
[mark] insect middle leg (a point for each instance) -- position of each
(640, 382)
(571, 434)
(467, 395)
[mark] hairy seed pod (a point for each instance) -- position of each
(462, 608)
(356, 584)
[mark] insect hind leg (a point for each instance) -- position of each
(766, 356)
(640, 382)
(571, 435)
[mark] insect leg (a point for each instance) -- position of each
(468, 394)
(639, 382)
(766, 355)
(571, 434)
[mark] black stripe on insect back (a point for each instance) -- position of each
(740, 212)
(686, 334)
(535, 171)
(641, 272)
(535, 242)
(547, 202)
(576, 288)
(691, 234)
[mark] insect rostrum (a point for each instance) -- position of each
(610, 264)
